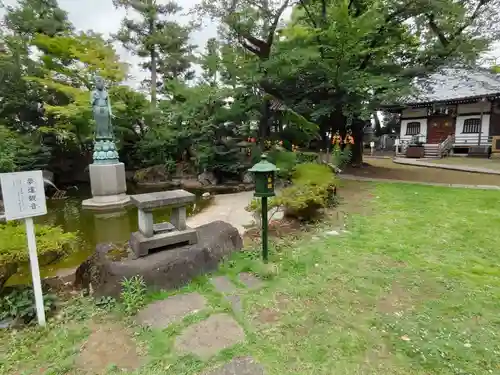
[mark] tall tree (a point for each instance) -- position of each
(254, 25)
(158, 39)
(346, 56)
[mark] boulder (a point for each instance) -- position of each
(207, 178)
(248, 178)
(154, 174)
(103, 273)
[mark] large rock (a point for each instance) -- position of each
(166, 269)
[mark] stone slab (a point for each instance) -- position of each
(142, 245)
(163, 227)
(239, 366)
(250, 281)
(209, 337)
(235, 302)
(161, 314)
(222, 284)
(106, 203)
(163, 269)
(149, 201)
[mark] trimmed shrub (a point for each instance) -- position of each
(313, 188)
(52, 243)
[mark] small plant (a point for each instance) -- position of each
(105, 302)
(133, 294)
(19, 305)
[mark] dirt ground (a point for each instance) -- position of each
(386, 168)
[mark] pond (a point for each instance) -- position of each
(92, 227)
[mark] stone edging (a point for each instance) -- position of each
(463, 186)
(445, 166)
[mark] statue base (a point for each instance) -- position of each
(109, 187)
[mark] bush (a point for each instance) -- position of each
(51, 242)
(285, 161)
(306, 157)
(313, 188)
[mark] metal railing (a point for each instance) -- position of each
(446, 146)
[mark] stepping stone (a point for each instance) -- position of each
(161, 314)
(239, 366)
(207, 338)
(222, 284)
(250, 281)
(235, 301)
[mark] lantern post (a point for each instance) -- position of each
(265, 175)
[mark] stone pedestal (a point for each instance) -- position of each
(109, 187)
(153, 236)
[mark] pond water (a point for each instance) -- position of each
(92, 227)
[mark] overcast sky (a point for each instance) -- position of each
(102, 17)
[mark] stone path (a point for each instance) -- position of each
(360, 178)
(229, 208)
(207, 337)
(239, 366)
(463, 168)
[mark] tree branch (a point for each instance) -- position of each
(274, 25)
(436, 30)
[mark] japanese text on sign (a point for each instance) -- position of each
(23, 194)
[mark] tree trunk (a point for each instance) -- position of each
(265, 117)
(357, 148)
(152, 53)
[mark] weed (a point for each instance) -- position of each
(133, 294)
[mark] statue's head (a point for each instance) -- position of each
(99, 82)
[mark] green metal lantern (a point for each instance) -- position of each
(265, 174)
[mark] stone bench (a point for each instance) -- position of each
(153, 236)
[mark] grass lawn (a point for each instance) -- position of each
(414, 288)
(470, 162)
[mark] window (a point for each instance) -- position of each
(413, 128)
(472, 125)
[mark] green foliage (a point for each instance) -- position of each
(106, 302)
(20, 152)
(284, 160)
(340, 157)
(52, 243)
(49, 240)
(19, 305)
(133, 294)
(313, 188)
(306, 157)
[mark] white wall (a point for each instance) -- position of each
(404, 123)
(474, 107)
(471, 139)
(414, 112)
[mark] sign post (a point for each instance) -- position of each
(24, 198)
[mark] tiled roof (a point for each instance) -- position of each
(454, 84)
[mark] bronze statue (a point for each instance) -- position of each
(105, 151)
(101, 108)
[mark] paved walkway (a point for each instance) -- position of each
(229, 208)
(463, 168)
(359, 178)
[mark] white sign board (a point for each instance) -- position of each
(23, 194)
(24, 197)
(397, 142)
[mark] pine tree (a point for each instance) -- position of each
(161, 42)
